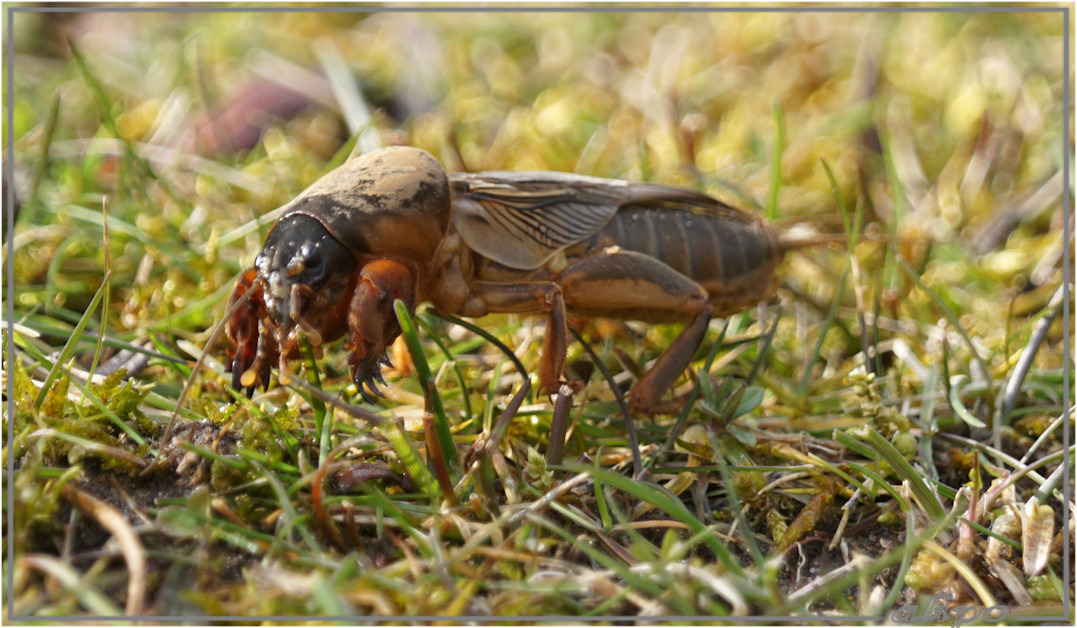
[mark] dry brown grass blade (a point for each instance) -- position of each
(1011, 578)
(555, 451)
(134, 554)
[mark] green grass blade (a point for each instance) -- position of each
(664, 501)
(104, 105)
(600, 505)
(698, 388)
(897, 462)
(643, 585)
(776, 163)
(89, 595)
(278, 466)
(880, 482)
(382, 501)
(479, 331)
(827, 324)
(873, 566)
(323, 417)
(69, 347)
(291, 519)
(46, 144)
(455, 365)
(959, 407)
(415, 348)
(410, 459)
(947, 311)
(94, 399)
(735, 504)
(767, 338)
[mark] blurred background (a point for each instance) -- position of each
(687, 98)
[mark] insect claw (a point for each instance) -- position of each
(366, 387)
(381, 378)
(238, 379)
(386, 361)
(367, 397)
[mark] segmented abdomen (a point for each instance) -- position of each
(733, 260)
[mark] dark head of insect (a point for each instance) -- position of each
(305, 271)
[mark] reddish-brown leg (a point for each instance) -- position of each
(669, 366)
(554, 345)
(372, 323)
(533, 298)
(245, 331)
(618, 280)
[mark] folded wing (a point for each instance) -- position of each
(522, 219)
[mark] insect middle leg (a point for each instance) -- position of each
(533, 297)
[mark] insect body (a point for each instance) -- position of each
(392, 225)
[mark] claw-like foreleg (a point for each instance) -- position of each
(253, 350)
(372, 324)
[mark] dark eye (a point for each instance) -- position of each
(311, 255)
(307, 261)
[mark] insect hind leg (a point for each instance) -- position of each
(624, 283)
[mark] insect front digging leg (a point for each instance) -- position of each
(372, 323)
(255, 348)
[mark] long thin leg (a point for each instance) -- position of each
(669, 365)
(533, 298)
